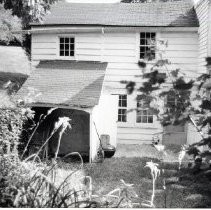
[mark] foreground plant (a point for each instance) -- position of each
(182, 154)
(155, 172)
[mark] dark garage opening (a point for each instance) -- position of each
(75, 139)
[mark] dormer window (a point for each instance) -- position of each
(147, 45)
(67, 46)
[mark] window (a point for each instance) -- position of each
(143, 114)
(171, 103)
(67, 46)
(122, 110)
(147, 45)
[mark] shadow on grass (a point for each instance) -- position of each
(183, 189)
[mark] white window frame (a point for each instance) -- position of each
(147, 124)
(147, 45)
(58, 47)
(121, 107)
(172, 101)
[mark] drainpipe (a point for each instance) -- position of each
(90, 137)
(102, 43)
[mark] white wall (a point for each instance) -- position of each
(105, 116)
(203, 10)
(121, 50)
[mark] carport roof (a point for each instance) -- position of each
(66, 83)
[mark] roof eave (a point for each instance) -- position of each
(61, 106)
(106, 25)
(91, 28)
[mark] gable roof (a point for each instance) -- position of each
(171, 14)
(66, 83)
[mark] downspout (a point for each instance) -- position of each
(90, 137)
(102, 43)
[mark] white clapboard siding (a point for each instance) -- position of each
(38, 45)
(181, 54)
(44, 38)
(123, 66)
(120, 40)
(118, 78)
(45, 51)
(118, 59)
(118, 72)
(119, 46)
(203, 15)
(178, 47)
(135, 135)
(44, 46)
(121, 52)
(87, 45)
(96, 39)
(87, 52)
(182, 40)
(38, 57)
(182, 49)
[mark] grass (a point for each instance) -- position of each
(180, 193)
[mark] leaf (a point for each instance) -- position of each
(142, 64)
(206, 104)
(130, 87)
(180, 84)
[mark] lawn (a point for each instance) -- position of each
(183, 189)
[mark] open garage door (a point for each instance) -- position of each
(75, 139)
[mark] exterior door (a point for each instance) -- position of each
(175, 135)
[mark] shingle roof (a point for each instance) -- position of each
(67, 83)
(172, 14)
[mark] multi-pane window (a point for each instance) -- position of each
(143, 114)
(122, 110)
(147, 45)
(171, 103)
(67, 46)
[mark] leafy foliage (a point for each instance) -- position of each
(28, 10)
(16, 15)
(176, 97)
(9, 23)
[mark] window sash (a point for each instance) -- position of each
(122, 100)
(147, 45)
(122, 109)
(67, 46)
(171, 103)
(122, 115)
(143, 114)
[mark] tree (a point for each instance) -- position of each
(9, 23)
(192, 102)
(27, 11)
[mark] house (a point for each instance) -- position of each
(82, 52)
